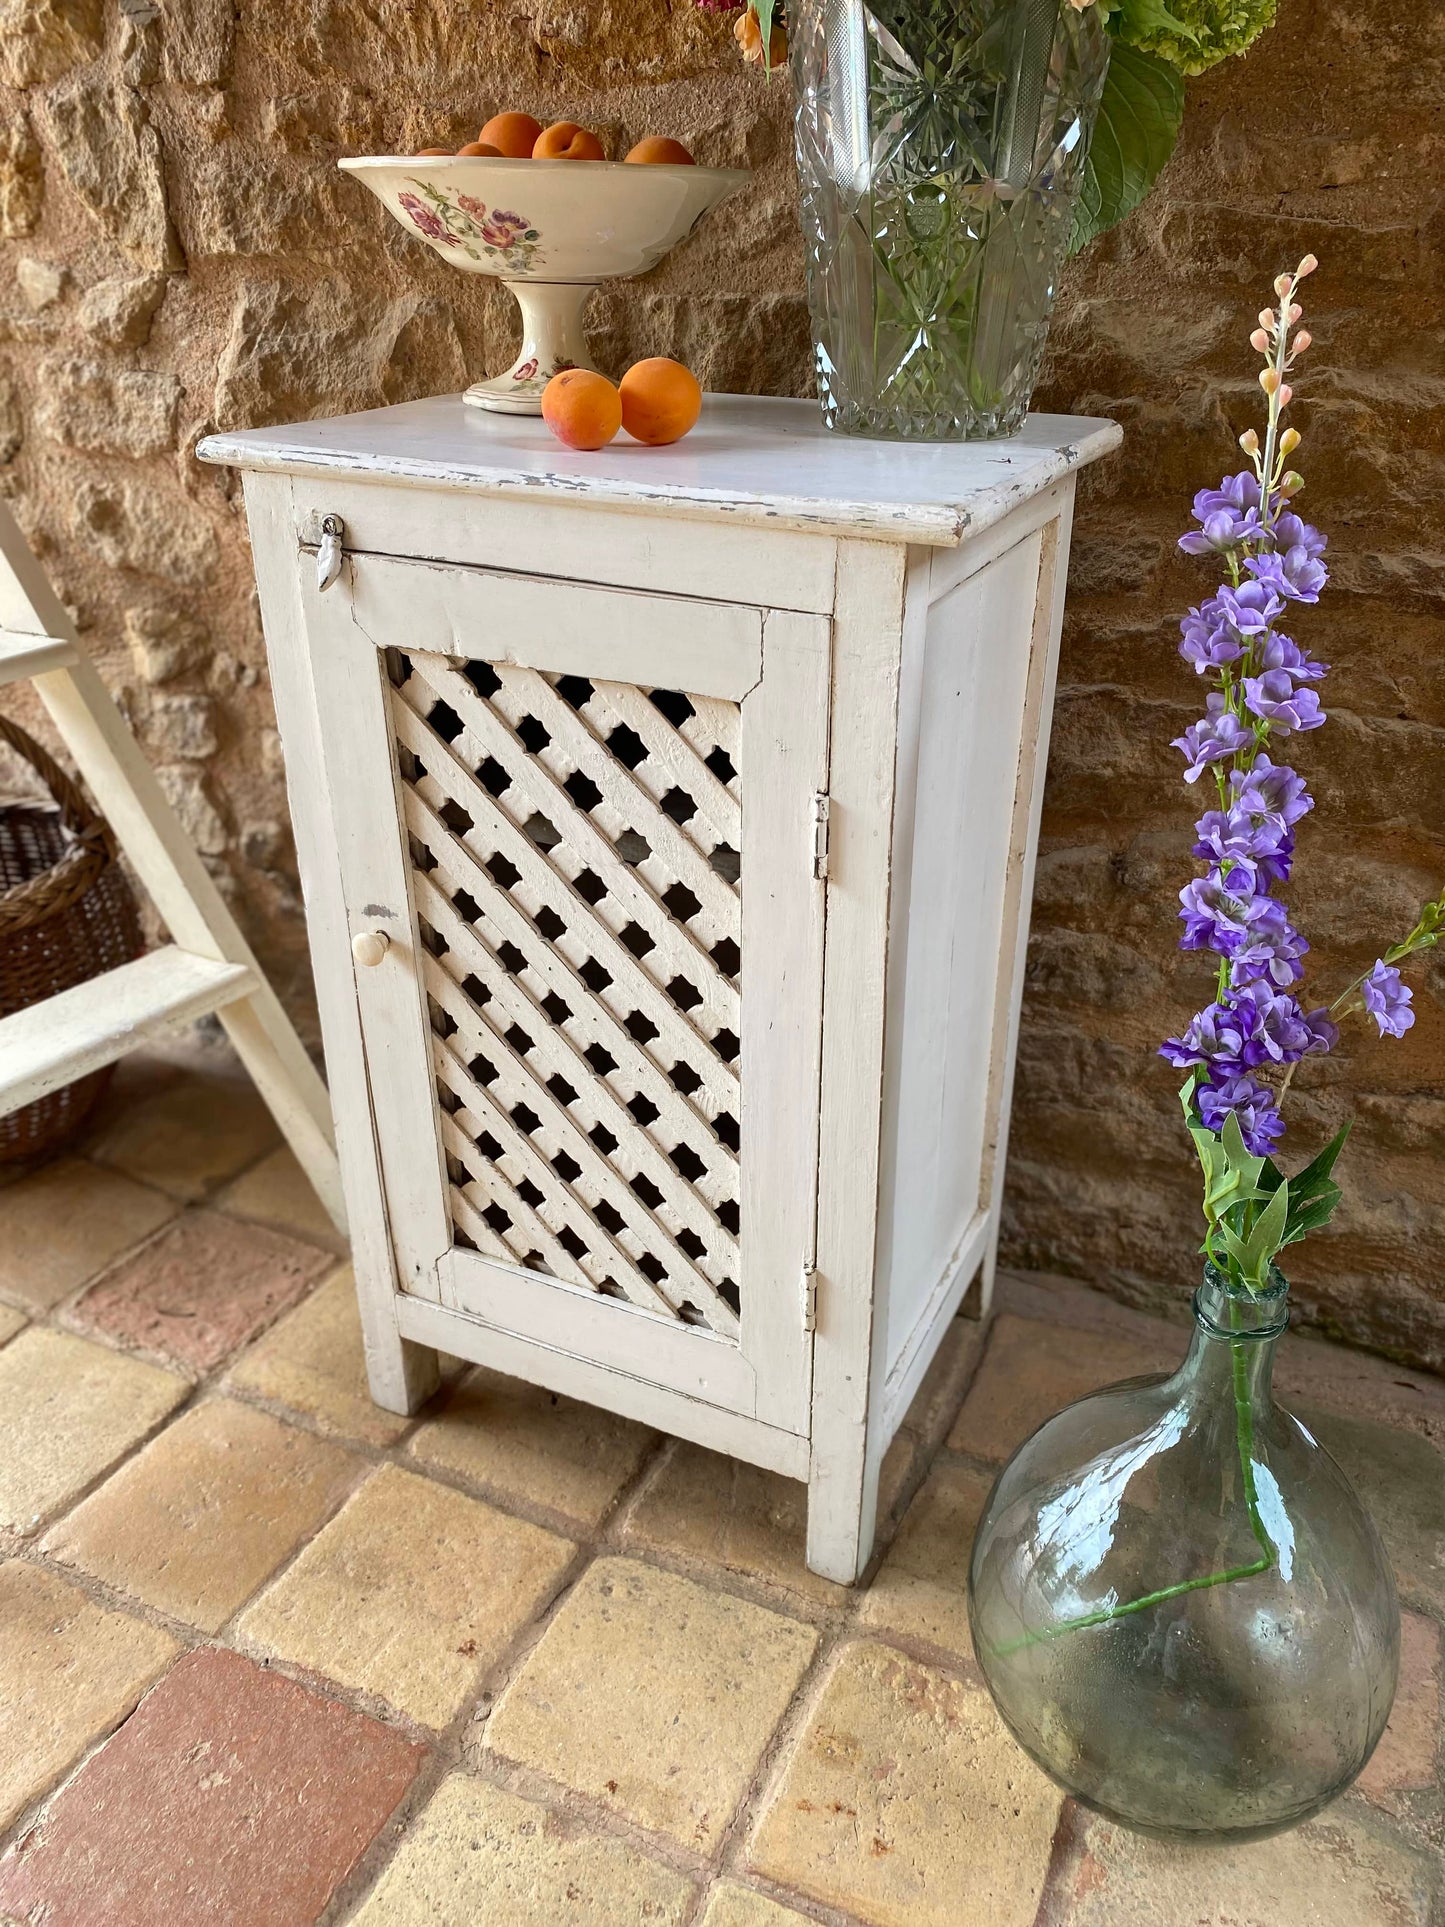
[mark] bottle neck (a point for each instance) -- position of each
(1235, 1334)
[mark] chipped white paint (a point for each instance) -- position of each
(750, 459)
(680, 1082)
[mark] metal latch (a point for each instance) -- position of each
(810, 1298)
(822, 805)
(329, 551)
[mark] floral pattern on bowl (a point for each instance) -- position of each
(499, 235)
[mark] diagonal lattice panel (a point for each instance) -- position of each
(575, 848)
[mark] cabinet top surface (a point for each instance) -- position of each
(753, 459)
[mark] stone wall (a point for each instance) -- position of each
(179, 254)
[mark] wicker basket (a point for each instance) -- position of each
(66, 915)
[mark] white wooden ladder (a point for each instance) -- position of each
(206, 967)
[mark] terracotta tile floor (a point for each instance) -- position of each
(271, 1656)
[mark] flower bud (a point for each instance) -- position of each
(1289, 441)
(1286, 394)
(1259, 339)
(1295, 311)
(1249, 442)
(1266, 317)
(1307, 266)
(1269, 379)
(1291, 484)
(1283, 284)
(1301, 341)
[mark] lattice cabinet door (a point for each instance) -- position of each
(584, 820)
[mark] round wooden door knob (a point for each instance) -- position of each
(369, 947)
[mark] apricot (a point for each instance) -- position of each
(514, 135)
(658, 151)
(566, 141)
(475, 148)
(661, 400)
(581, 408)
(433, 153)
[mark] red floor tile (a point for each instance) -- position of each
(202, 1288)
(231, 1797)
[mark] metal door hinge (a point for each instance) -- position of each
(810, 1298)
(329, 551)
(822, 808)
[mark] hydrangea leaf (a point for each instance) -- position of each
(1138, 124)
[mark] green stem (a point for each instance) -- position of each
(1244, 1444)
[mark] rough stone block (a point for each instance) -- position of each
(906, 1802)
(277, 1192)
(42, 39)
(314, 1363)
(921, 1589)
(64, 1222)
(1032, 1370)
(732, 1515)
(733, 1906)
(202, 1289)
(476, 1853)
(22, 179)
(107, 411)
(654, 1697)
(409, 1594)
(1336, 1871)
(118, 311)
(189, 1135)
(232, 1796)
(198, 1520)
(523, 1442)
(68, 1411)
(69, 1671)
(1407, 1758)
(101, 135)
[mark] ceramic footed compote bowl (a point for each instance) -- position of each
(551, 230)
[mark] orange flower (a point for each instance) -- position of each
(749, 37)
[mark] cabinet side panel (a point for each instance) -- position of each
(944, 952)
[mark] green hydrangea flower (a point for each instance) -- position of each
(1218, 28)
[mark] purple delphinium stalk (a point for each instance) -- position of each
(1263, 693)
(1241, 1049)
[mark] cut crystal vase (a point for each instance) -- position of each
(941, 146)
(1182, 1610)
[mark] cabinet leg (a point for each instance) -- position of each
(842, 1511)
(402, 1375)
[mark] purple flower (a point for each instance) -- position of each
(1291, 533)
(1293, 574)
(1250, 608)
(1236, 494)
(1251, 1102)
(1271, 789)
(1222, 914)
(1272, 948)
(1219, 735)
(1223, 530)
(1234, 836)
(1214, 1037)
(1274, 651)
(1388, 1000)
(424, 221)
(1209, 642)
(1276, 1030)
(1274, 698)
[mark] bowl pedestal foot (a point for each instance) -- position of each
(552, 339)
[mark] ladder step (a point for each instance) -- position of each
(51, 1043)
(22, 657)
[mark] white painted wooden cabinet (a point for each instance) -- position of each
(666, 820)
